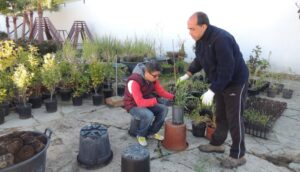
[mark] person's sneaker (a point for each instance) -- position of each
(157, 137)
(142, 140)
(211, 148)
(230, 162)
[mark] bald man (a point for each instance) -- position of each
(218, 54)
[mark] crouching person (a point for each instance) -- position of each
(140, 100)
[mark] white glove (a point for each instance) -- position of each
(207, 98)
(183, 78)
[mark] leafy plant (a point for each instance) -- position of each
(256, 117)
(256, 64)
(3, 95)
(22, 79)
(8, 54)
(81, 81)
(50, 73)
(97, 74)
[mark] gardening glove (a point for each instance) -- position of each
(181, 79)
(207, 97)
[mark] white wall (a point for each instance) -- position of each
(272, 24)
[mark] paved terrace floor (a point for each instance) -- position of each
(282, 146)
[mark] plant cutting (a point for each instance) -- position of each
(22, 80)
(179, 103)
(50, 78)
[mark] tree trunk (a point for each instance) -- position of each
(15, 27)
(7, 25)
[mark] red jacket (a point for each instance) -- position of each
(140, 93)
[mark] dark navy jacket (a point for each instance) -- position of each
(219, 55)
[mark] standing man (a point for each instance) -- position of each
(218, 54)
(139, 100)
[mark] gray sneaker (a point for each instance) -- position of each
(230, 162)
(210, 148)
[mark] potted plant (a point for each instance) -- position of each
(33, 64)
(50, 78)
(287, 92)
(81, 84)
(198, 122)
(179, 103)
(276, 85)
(97, 75)
(22, 80)
(66, 59)
(6, 91)
(2, 107)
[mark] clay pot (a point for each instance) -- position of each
(175, 137)
(209, 132)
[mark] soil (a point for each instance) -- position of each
(19, 146)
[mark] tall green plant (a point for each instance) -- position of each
(97, 74)
(22, 79)
(50, 73)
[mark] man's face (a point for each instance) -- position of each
(196, 31)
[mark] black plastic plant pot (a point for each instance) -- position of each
(65, 94)
(134, 126)
(97, 99)
(94, 147)
(2, 116)
(287, 93)
(271, 92)
(177, 114)
(257, 130)
(196, 93)
(24, 111)
(4, 106)
(135, 158)
(77, 101)
(107, 93)
(198, 129)
(51, 105)
(121, 90)
(36, 101)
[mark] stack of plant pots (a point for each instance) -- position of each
(135, 158)
(175, 131)
(94, 147)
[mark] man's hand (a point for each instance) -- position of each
(181, 79)
(207, 98)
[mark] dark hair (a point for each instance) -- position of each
(152, 66)
(202, 18)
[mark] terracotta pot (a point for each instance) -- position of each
(175, 137)
(209, 132)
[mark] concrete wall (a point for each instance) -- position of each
(272, 24)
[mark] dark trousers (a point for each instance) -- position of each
(230, 106)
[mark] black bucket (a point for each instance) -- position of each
(134, 126)
(37, 163)
(94, 147)
(135, 158)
